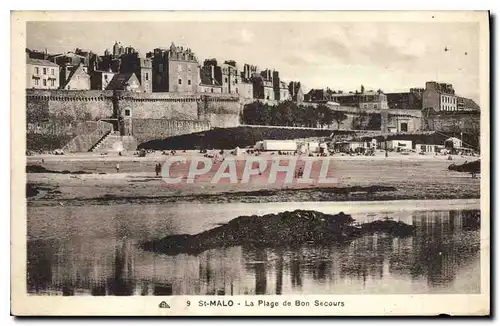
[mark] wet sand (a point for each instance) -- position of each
(357, 178)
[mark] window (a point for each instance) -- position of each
(36, 82)
(37, 71)
(147, 76)
(45, 82)
(180, 81)
(106, 77)
(211, 90)
(225, 80)
(236, 81)
(52, 82)
(374, 106)
(189, 81)
(236, 90)
(127, 112)
(365, 106)
(44, 71)
(52, 71)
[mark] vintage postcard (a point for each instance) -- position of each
(250, 163)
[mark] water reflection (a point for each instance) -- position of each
(442, 257)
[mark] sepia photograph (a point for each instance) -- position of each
(237, 159)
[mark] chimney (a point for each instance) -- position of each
(212, 72)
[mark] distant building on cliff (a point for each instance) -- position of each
(442, 97)
(41, 74)
(296, 93)
(439, 97)
(246, 83)
(175, 70)
(263, 87)
(411, 100)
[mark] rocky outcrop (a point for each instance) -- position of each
(287, 228)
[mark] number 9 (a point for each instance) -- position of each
(188, 303)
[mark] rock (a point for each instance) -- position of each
(286, 228)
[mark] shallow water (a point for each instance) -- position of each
(93, 250)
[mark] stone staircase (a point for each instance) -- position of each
(113, 142)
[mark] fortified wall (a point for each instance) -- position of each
(453, 122)
(55, 116)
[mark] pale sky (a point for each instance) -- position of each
(390, 56)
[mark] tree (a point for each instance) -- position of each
(324, 115)
(359, 122)
(339, 117)
(254, 113)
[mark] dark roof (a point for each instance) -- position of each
(39, 62)
(72, 73)
(206, 79)
(119, 81)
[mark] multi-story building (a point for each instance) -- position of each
(439, 97)
(263, 85)
(246, 81)
(175, 70)
(118, 50)
(41, 74)
(208, 82)
(131, 62)
(75, 78)
(295, 91)
(230, 77)
(411, 100)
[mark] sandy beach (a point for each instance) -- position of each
(397, 177)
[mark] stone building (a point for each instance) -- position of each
(41, 74)
(295, 91)
(175, 70)
(263, 85)
(118, 50)
(75, 77)
(280, 88)
(230, 77)
(439, 97)
(208, 82)
(100, 79)
(131, 62)
(246, 82)
(411, 100)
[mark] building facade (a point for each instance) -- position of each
(99, 79)
(41, 74)
(230, 77)
(439, 97)
(295, 91)
(131, 62)
(125, 82)
(75, 78)
(175, 70)
(411, 100)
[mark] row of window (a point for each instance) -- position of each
(448, 107)
(447, 99)
(44, 81)
(365, 106)
(37, 71)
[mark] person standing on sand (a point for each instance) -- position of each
(117, 168)
(158, 169)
